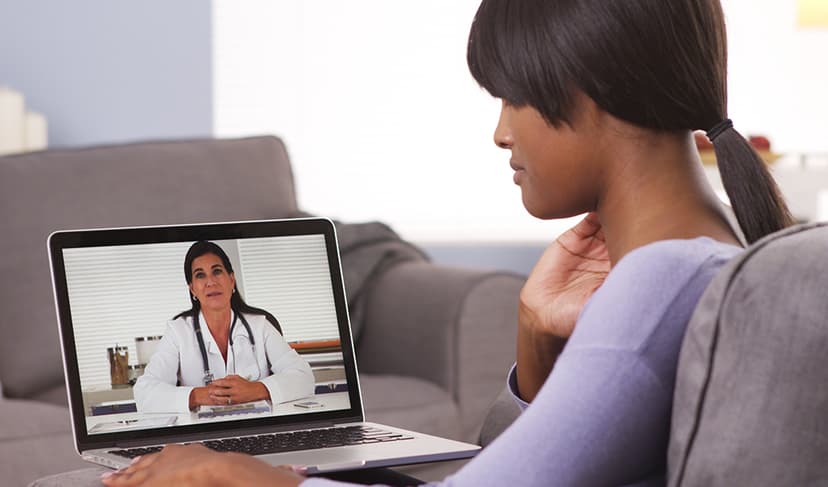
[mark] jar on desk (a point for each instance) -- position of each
(118, 366)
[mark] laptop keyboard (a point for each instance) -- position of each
(287, 442)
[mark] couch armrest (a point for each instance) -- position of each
(453, 327)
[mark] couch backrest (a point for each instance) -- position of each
(751, 399)
(137, 184)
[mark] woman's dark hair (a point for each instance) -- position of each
(237, 303)
(659, 64)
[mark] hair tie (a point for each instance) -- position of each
(719, 129)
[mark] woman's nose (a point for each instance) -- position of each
(503, 133)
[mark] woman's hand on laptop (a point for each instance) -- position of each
(196, 465)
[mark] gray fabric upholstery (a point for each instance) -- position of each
(35, 440)
(467, 355)
(751, 396)
(367, 250)
(443, 336)
(499, 417)
(410, 403)
(82, 477)
(138, 184)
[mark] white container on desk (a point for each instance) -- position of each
(35, 132)
(12, 113)
(145, 348)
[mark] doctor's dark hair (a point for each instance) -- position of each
(237, 303)
(658, 64)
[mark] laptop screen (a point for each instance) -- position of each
(203, 328)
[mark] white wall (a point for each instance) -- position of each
(383, 120)
(778, 75)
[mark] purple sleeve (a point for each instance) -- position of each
(511, 383)
(603, 415)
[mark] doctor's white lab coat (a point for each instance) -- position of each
(177, 367)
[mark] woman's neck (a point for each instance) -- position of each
(658, 191)
(218, 321)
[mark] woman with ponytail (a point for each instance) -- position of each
(600, 100)
(221, 351)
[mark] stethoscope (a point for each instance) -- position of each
(208, 375)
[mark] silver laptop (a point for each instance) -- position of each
(117, 292)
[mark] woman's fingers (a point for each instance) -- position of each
(234, 388)
(133, 474)
(588, 227)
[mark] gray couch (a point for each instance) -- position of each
(751, 402)
(435, 342)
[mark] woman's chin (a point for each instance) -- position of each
(216, 304)
(539, 211)
(544, 212)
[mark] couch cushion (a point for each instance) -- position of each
(410, 404)
(52, 395)
(29, 419)
(751, 397)
(137, 184)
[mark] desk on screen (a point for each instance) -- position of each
(329, 402)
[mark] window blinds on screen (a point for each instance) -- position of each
(119, 293)
(289, 277)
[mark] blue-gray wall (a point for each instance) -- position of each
(519, 258)
(111, 70)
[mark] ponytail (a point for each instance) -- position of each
(754, 195)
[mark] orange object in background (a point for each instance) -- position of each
(315, 345)
(759, 142)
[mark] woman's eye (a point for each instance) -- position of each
(217, 272)
(199, 275)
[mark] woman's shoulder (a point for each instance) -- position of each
(668, 256)
(643, 307)
(257, 322)
(668, 266)
(180, 322)
(655, 285)
(655, 273)
(257, 318)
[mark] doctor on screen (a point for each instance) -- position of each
(221, 351)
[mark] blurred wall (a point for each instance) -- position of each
(106, 71)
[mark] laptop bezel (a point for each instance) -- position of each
(66, 239)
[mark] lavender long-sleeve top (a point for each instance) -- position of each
(602, 418)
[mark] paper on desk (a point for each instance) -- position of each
(243, 408)
(133, 424)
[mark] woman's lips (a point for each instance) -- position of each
(519, 171)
